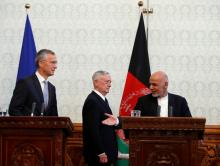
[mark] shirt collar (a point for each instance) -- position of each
(40, 77)
(163, 98)
(98, 93)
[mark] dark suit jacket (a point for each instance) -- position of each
(28, 91)
(97, 138)
(148, 105)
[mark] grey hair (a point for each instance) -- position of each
(99, 73)
(42, 54)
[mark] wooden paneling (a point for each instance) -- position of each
(211, 143)
(33, 140)
(74, 146)
(42, 139)
(160, 141)
(210, 147)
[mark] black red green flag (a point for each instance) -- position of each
(137, 81)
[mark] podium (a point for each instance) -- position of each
(168, 141)
(29, 141)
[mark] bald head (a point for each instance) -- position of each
(159, 84)
(162, 76)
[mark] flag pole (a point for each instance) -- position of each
(147, 16)
(145, 11)
(140, 4)
(26, 65)
(27, 6)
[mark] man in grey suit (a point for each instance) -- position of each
(34, 94)
(99, 138)
(160, 102)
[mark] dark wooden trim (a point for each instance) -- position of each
(210, 146)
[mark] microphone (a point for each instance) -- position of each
(33, 108)
(170, 111)
(158, 110)
(42, 109)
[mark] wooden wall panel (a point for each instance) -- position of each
(210, 147)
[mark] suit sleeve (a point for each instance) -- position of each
(186, 111)
(92, 118)
(17, 104)
(139, 106)
(119, 125)
(54, 111)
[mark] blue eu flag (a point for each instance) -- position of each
(28, 52)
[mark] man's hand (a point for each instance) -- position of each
(110, 121)
(103, 158)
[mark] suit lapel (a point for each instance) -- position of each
(36, 88)
(108, 107)
(170, 100)
(49, 94)
(154, 105)
(105, 106)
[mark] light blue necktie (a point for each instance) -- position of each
(45, 93)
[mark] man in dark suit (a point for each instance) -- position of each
(34, 94)
(99, 138)
(160, 102)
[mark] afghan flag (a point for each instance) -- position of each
(28, 52)
(137, 81)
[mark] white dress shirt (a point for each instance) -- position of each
(163, 102)
(98, 93)
(41, 80)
